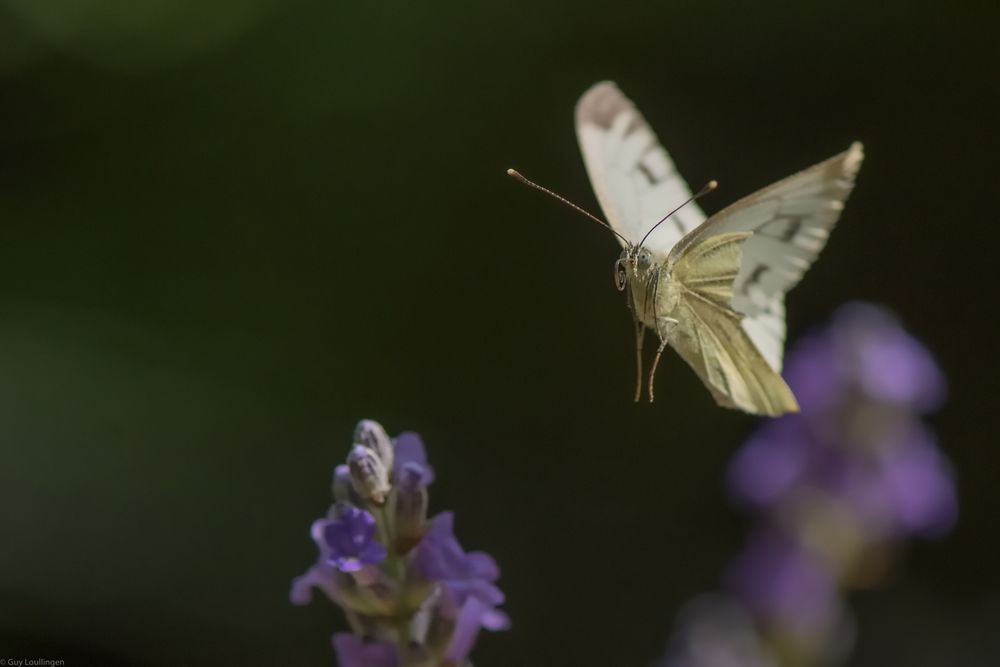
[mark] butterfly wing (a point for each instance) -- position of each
(790, 221)
(632, 175)
(708, 333)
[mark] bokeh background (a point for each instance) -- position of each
(230, 229)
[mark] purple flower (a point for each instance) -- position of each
(865, 350)
(813, 373)
(887, 362)
(920, 487)
(348, 542)
(469, 594)
(410, 450)
(772, 463)
(410, 506)
(354, 651)
(784, 584)
(440, 557)
(858, 439)
(852, 474)
(474, 615)
(435, 598)
(321, 576)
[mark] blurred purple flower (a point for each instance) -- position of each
(858, 437)
(354, 651)
(813, 373)
(888, 363)
(866, 350)
(919, 483)
(772, 463)
(856, 471)
(349, 540)
(784, 584)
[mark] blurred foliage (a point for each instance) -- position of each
(127, 34)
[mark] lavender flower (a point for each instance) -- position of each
(412, 595)
(350, 540)
(786, 585)
(835, 488)
(474, 615)
(441, 558)
(469, 596)
(353, 651)
(410, 450)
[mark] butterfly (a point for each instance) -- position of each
(713, 289)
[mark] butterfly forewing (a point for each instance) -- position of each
(633, 176)
(790, 221)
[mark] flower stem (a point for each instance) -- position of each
(395, 568)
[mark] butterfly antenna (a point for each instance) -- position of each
(518, 176)
(711, 185)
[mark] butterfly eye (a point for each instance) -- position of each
(621, 277)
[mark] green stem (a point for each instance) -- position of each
(395, 568)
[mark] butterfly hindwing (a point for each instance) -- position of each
(708, 333)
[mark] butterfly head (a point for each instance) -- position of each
(634, 262)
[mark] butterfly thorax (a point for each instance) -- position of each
(651, 294)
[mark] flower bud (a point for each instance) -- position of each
(369, 475)
(410, 505)
(343, 491)
(370, 434)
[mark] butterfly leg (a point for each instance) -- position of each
(652, 284)
(671, 322)
(656, 361)
(640, 332)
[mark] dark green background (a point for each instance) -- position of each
(229, 230)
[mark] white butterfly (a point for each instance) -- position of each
(712, 289)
